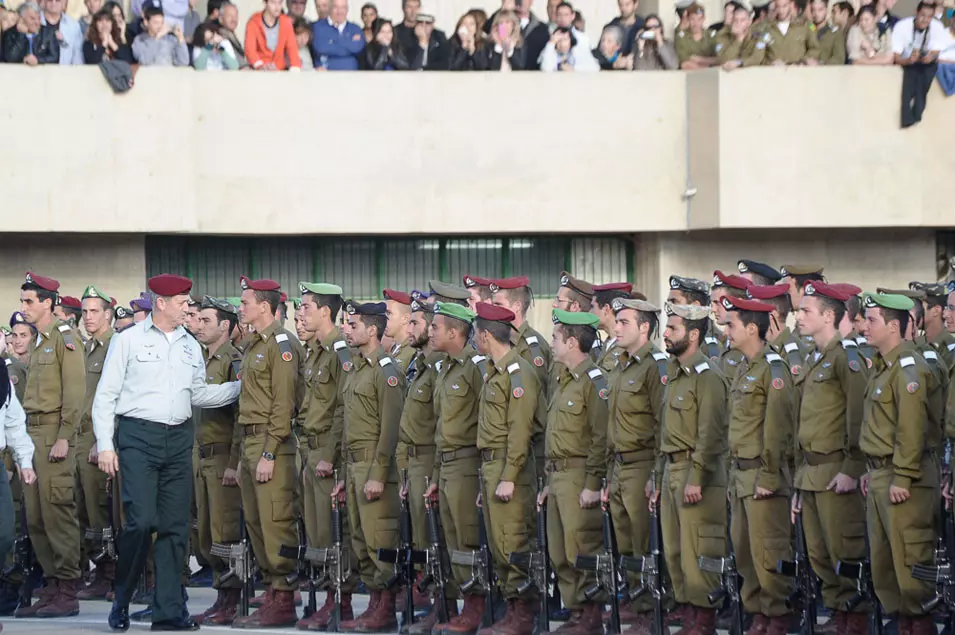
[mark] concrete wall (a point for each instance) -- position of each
(217, 153)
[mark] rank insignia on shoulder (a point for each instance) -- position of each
(604, 393)
(795, 370)
(664, 379)
(14, 380)
(347, 366)
(778, 383)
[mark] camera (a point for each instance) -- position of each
(647, 35)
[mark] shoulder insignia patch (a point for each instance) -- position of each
(854, 366)
(344, 356)
(912, 386)
(284, 346)
(14, 380)
(600, 381)
(538, 361)
(778, 383)
(951, 347)
(388, 367)
(393, 381)
(518, 392)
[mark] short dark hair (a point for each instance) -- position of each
(565, 4)
(936, 300)
(41, 293)
(213, 5)
(895, 315)
(225, 316)
(759, 318)
(926, 4)
(455, 324)
(854, 303)
(498, 330)
(585, 335)
(703, 299)
(282, 308)
(605, 298)
(830, 304)
(919, 310)
(106, 305)
(847, 6)
(524, 295)
(702, 326)
(332, 302)
(378, 321)
(274, 298)
(585, 301)
(802, 279)
(648, 317)
(783, 305)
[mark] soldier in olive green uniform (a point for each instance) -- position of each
(830, 463)
(936, 297)
(693, 291)
(328, 365)
(479, 289)
(762, 419)
(18, 377)
(399, 313)
(696, 45)
(791, 39)
(218, 499)
(506, 423)
(457, 392)
(832, 44)
(374, 396)
(781, 337)
(739, 45)
(577, 296)
(734, 286)
(693, 449)
(267, 405)
(515, 295)
(576, 443)
(917, 342)
(602, 307)
(636, 410)
(53, 401)
(900, 432)
(91, 496)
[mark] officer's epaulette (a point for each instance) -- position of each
(8, 362)
(661, 359)
(344, 355)
(517, 384)
(931, 358)
(437, 366)
(794, 357)
(284, 346)
(911, 374)
(951, 347)
(534, 344)
(702, 367)
(600, 381)
(67, 332)
(481, 362)
(388, 368)
(236, 363)
(852, 354)
(777, 369)
(712, 347)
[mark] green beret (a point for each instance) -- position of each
(5, 330)
(887, 301)
(93, 292)
(297, 303)
(319, 288)
(456, 311)
(575, 319)
(451, 291)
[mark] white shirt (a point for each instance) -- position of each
(15, 432)
(147, 376)
(904, 36)
(340, 27)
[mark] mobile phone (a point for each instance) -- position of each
(502, 30)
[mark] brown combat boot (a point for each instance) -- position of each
(468, 622)
(922, 625)
(704, 622)
(856, 624)
(642, 626)
(627, 615)
(43, 597)
(64, 603)
(262, 598)
(501, 624)
(212, 610)
(421, 600)
(686, 619)
(101, 585)
(374, 598)
(570, 626)
(759, 626)
(429, 623)
(247, 622)
(589, 620)
(523, 621)
(383, 619)
(278, 612)
(320, 619)
(778, 625)
(228, 608)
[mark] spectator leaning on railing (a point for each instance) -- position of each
(68, 31)
(383, 52)
(505, 50)
(916, 44)
(652, 51)
(212, 52)
(303, 38)
(629, 21)
(104, 40)
(160, 44)
(564, 53)
(609, 53)
(696, 46)
(270, 40)
(831, 38)
(228, 23)
(867, 46)
(468, 45)
(30, 42)
(739, 46)
(430, 51)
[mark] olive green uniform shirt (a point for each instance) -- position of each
(696, 418)
(374, 397)
(832, 45)
(95, 351)
(217, 425)
(944, 343)
(687, 46)
(18, 375)
(796, 46)
(609, 356)
(750, 51)
(420, 414)
(830, 416)
(507, 411)
(531, 345)
(901, 418)
(636, 402)
(457, 393)
(403, 354)
(762, 421)
(270, 384)
(577, 420)
(56, 378)
(325, 413)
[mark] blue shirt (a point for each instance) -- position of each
(155, 376)
(337, 50)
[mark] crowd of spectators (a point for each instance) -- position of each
(280, 37)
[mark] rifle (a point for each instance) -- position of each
(482, 571)
(107, 535)
(305, 567)
(405, 557)
(729, 583)
(941, 573)
(24, 563)
(605, 564)
(537, 564)
(804, 595)
(650, 566)
(861, 572)
(434, 566)
(241, 563)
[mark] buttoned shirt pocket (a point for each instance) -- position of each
(456, 398)
(422, 392)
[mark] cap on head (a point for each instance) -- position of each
(167, 285)
(687, 311)
(908, 293)
(421, 306)
(831, 291)
(767, 292)
(758, 268)
(70, 302)
(367, 308)
(891, 301)
(731, 303)
(801, 270)
(319, 288)
(398, 296)
(420, 296)
(259, 285)
(92, 292)
(456, 311)
(42, 282)
(220, 304)
(17, 318)
(571, 318)
(475, 281)
(679, 283)
(626, 287)
(142, 303)
(620, 304)
(493, 313)
(517, 282)
(448, 290)
(720, 279)
(845, 288)
(582, 287)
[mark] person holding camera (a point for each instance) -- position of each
(159, 45)
(651, 51)
(505, 51)
(212, 52)
(104, 40)
(467, 45)
(563, 53)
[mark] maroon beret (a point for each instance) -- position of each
(47, 284)
(398, 296)
(259, 285)
(767, 292)
(474, 281)
(70, 302)
(837, 291)
(509, 283)
(487, 311)
(742, 304)
(720, 279)
(112, 301)
(626, 287)
(283, 297)
(168, 285)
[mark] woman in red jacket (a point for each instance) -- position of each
(270, 40)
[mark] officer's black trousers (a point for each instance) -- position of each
(7, 529)
(155, 461)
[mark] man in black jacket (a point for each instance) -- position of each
(430, 51)
(31, 42)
